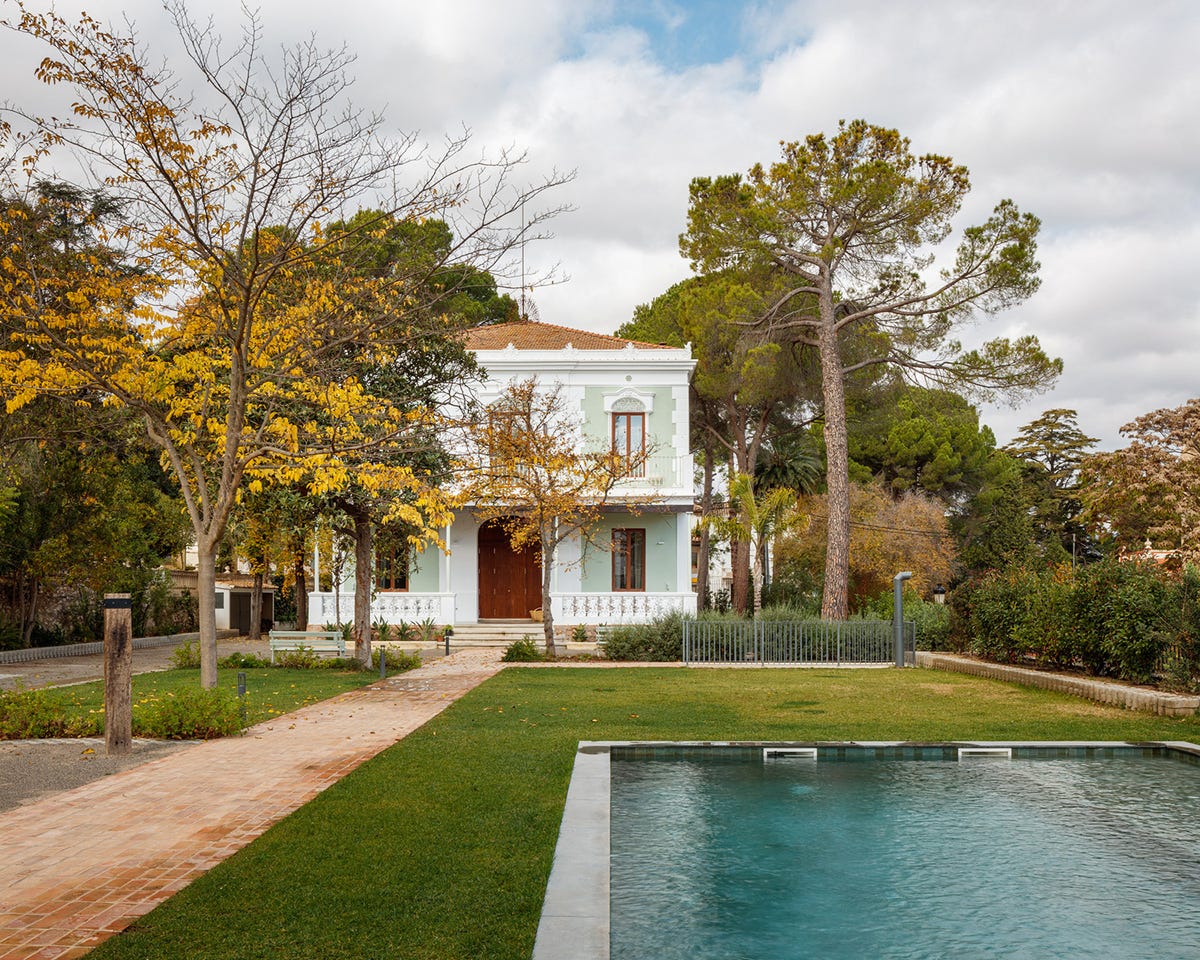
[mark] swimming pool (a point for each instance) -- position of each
(880, 850)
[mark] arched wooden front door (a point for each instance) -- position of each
(510, 583)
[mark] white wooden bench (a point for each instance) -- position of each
(319, 641)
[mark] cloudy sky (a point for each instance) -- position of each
(1087, 114)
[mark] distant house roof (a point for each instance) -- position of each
(530, 335)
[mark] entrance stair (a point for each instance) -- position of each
(495, 633)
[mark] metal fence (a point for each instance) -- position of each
(814, 641)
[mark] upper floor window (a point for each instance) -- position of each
(629, 437)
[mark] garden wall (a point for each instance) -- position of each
(1117, 694)
(29, 654)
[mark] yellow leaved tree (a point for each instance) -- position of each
(230, 305)
(526, 467)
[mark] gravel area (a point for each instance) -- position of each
(32, 769)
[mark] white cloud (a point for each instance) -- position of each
(1083, 113)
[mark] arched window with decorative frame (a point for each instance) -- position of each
(629, 435)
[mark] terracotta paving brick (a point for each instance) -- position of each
(70, 878)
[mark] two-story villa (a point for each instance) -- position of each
(629, 396)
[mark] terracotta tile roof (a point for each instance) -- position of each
(530, 335)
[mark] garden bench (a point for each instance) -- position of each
(315, 640)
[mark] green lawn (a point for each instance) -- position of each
(269, 692)
(441, 846)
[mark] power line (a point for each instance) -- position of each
(936, 534)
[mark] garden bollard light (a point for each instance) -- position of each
(242, 695)
(382, 664)
(446, 634)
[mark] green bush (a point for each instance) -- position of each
(397, 660)
(300, 658)
(523, 651)
(188, 714)
(186, 656)
(29, 715)
(1138, 627)
(787, 613)
(932, 620)
(996, 607)
(1132, 621)
(660, 640)
(82, 617)
(244, 661)
(1179, 662)
(158, 608)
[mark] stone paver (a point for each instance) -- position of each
(82, 865)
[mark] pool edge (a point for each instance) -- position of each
(575, 914)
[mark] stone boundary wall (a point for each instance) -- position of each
(30, 654)
(1101, 691)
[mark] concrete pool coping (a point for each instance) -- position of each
(575, 914)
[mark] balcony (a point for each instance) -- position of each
(658, 476)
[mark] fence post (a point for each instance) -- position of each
(118, 674)
(898, 614)
(686, 640)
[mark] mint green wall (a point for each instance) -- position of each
(659, 428)
(661, 560)
(423, 572)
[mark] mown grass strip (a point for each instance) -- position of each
(441, 846)
(269, 692)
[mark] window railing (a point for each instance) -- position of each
(655, 472)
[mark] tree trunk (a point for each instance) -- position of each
(702, 553)
(206, 585)
(739, 562)
(548, 553)
(256, 594)
(756, 580)
(364, 558)
(834, 602)
(300, 586)
(29, 612)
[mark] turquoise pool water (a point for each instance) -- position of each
(1028, 858)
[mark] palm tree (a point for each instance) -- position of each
(755, 522)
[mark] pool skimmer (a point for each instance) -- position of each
(789, 753)
(985, 753)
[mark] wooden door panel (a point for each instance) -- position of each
(509, 581)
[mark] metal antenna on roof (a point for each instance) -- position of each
(523, 314)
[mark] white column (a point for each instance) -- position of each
(316, 584)
(683, 556)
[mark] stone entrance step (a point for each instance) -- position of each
(495, 633)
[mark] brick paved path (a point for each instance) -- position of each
(80, 866)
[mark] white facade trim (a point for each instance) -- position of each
(613, 397)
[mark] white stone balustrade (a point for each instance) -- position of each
(388, 607)
(629, 607)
